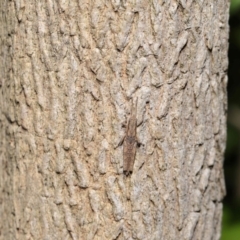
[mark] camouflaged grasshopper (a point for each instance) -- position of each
(130, 142)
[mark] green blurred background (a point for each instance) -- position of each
(231, 211)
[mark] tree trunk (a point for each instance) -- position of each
(70, 72)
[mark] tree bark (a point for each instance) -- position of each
(69, 71)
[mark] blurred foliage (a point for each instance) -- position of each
(231, 228)
(234, 7)
(231, 212)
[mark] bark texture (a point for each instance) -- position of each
(68, 72)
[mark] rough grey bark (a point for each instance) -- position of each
(68, 72)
